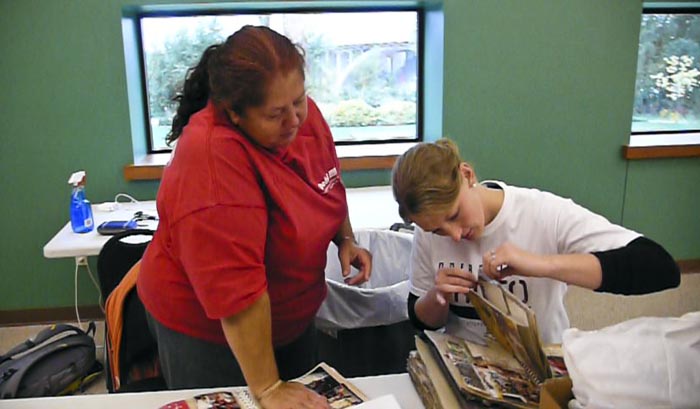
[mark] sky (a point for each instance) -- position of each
(340, 28)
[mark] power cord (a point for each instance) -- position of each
(114, 205)
(131, 199)
(83, 261)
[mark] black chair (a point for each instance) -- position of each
(118, 255)
(115, 259)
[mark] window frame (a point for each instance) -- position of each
(651, 144)
(215, 10)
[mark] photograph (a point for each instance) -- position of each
(339, 396)
(216, 400)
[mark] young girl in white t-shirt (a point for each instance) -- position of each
(533, 242)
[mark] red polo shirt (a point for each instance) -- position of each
(237, 220)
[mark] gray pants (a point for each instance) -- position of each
(187, 362)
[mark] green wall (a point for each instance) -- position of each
(536, 93)
(545, 93)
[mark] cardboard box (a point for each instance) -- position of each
(556, 393)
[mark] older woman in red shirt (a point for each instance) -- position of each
(248, 205)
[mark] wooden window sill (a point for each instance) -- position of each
(655, 152)
(150, 167)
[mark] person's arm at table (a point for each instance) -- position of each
(249, 334)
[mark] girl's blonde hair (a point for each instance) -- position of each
(427, 178)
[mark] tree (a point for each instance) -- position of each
(663, 37)
(167, 66)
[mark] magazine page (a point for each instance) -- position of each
(513, 325)
(327, 382)
(530, 335)
(213, 400)
(484, 372)
(555, 359)
(322, 379)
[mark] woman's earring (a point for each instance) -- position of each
(231, 117)
(474, 184)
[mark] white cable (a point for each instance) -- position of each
(100, 301)
(77, 314)
(83, 261)
(131, 199)
(99, 291)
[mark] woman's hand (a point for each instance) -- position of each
(509, 259)
(452, 280)
(349, 253)
(292, 395)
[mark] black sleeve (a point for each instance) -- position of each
(641, 267)
(412, 298)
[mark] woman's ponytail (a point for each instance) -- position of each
(194, 95)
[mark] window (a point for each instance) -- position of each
(667, 98)
(362, 67)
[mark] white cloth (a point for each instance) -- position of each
(641, 363)
(536, 221)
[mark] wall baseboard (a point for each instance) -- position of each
(93, 312)
(691, 266)
(50, 315)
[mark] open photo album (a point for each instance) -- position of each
(323, 379)
(508, 369)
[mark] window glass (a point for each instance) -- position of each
(361, 67)
(667, 98)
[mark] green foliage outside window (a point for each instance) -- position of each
(356, 84)
(667, 95)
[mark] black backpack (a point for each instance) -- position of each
(59, 360)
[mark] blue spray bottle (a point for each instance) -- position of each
(80, 210)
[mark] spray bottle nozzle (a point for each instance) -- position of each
(77, 178)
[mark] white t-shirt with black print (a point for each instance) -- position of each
(535, 221)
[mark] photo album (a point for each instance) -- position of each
(323, 379)
(509, 369)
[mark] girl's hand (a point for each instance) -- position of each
(453, 280)
(509, 259)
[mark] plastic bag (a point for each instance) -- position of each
(641, 363)
(381, 300)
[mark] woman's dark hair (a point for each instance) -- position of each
(235, 73)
